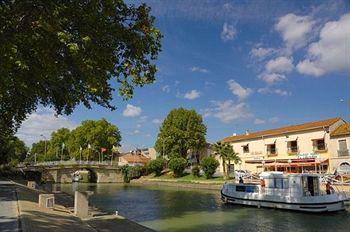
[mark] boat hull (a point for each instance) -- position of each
(305, 207)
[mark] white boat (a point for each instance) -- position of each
(293, 192)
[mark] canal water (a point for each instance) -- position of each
(181, 209)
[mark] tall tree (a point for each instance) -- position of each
(38, 153)
(227, 155)
(181, 131)
(58, 144)
(63, 53)
(91, 136)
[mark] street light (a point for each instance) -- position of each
(45, 143)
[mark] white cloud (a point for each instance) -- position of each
(193, 94)
(209, 83)
(135, 132)
(271, 78)
(259, 121)
(166, 88)
(238, 90)
(331, 52)
(157, 121)
(132, 111)
(259, 52)
(281, 64)
(228, 111)
(42, 122)
(198, 69)
(228, 32)
(268, 90)
(274, 119)
(138, 125)
(294, 29)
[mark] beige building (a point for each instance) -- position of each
(340, 142)
(295, 148)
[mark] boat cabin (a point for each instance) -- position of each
(292, 184)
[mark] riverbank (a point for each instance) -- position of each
(61, 218)
(187, 181)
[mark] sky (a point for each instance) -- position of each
(242, 65)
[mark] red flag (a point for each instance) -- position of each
(103, 149)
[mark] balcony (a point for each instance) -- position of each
(343, 152)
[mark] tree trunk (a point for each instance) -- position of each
(224, 168)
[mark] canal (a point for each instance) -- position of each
(180, 209)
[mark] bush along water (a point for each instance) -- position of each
(156, 166)
(177, 165)
(209, 165)
(195, 171)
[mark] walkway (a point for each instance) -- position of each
(8, 207)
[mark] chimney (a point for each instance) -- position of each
(234, 134)
(247, 132)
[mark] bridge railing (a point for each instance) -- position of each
(68, 163)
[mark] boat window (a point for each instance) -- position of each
(240, 188)
(311, 186)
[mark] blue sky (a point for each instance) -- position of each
(243, 65)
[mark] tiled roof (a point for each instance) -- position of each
(342, 130)
(131, 158)
(283, 130)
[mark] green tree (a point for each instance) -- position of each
(38, 151)
(156, 166)
(209, 165)
(227, 154)
(58, 144)
(94, 133)
(12, 149)
(181, 131)
(65, 53)
(177, 165)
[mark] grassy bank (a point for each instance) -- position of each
(186, 178)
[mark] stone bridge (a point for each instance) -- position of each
(63, 173)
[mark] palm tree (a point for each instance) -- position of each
(227, 154)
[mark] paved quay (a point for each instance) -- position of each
(8, 207)
(19, 206)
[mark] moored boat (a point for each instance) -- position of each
(293, 192)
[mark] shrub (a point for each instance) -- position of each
(131, 172)
(156, 166)
(177, 165)
(209, 165)
(195, 171)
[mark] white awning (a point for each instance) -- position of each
(269, 141)
(291, 138)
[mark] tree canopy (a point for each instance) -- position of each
(227, 154)
(182, 130)
(12, 149)
(65, 53)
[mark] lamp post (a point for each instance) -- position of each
(45, 143)
(289, 162)
(263, 163)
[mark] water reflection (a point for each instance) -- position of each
(179, 209)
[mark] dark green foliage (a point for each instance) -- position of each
(12, 149)
(131, 172)
(177, 165)
(156, 166)
(181, 131)
(209, 165)
(195, 171)
(65, 53)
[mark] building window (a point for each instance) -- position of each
(246, 148)
(319, 145)
(292, 146)
(271, 149)
(343, 148)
